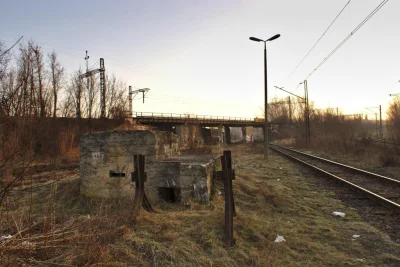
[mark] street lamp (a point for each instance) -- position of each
(276, 36)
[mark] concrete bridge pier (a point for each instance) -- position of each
(190, 136)
(227, 135)
(244, 133)
(221, 134)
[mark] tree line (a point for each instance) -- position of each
(33, 84)
(332, 120)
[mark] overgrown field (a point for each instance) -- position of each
(52, 226)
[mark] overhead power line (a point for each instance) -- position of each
(349, 36)
(312, 48)
(11, 46)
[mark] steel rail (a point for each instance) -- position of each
(384, 201)
(375, 175)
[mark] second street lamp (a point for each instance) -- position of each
(276, 36)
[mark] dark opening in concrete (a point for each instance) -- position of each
(169, 194)
(114, 174)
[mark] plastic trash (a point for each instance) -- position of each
(355, 236)
(279, 239)
(278, 179)
(5, 237)
(27, 244)
(338, 213)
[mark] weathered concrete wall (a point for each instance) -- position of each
(195, 176)
(105, 153)
(196, 181)
(190, 136)
(106, 166)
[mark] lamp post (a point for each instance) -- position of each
(276, 36)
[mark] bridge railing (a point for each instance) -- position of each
(174, 116)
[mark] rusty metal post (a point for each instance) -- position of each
(139, 177)
(229, 203)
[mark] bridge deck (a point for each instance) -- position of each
(177, 119)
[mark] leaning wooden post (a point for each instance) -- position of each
(139, 177)
(229, 203)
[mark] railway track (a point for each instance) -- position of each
(379, 188)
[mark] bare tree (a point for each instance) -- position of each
(75, 92)
(90, 96)
(116, 98)
(4, 60)
(57, 78)
(39, 65)
(393, 119)
(67, 106)
(25, 96)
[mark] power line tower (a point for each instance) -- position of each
(376, 119)
(306, 109)
(88, 75)
(132, 95)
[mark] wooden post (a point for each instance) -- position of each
(139, 177)
(229, 202)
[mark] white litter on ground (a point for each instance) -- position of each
(355, 236)
(338, 213)
(27, 244)
(279, 239)
(5, 237)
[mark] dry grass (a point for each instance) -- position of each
(271, 199)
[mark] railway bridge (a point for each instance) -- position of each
(172, 121)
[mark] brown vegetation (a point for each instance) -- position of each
(51, 225)
(332, 132)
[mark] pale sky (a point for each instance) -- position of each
(196, 56)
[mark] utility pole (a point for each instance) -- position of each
(102, 89)
(308, 130)
(87, 61)
(88, 76)
(380, 121)
(306, 113)
(290, 111)
(130, 102)
(132, 95)
(376, 120)
(88, 82)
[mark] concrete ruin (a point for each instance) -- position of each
(106, 166)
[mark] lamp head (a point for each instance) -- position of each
(276, 36)
(256, 39)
